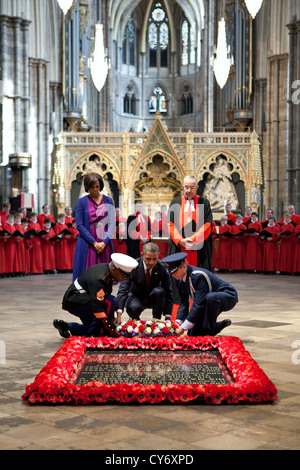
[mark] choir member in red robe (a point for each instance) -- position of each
(5, 211)
(119, 236)
(27, 245)
(20, 267)
(73, 240)
(295, 218)
(238, 244)
(215, 243)
(47, 245)
(10, 245)
(224, 251)
(2, 251)
(269, 241)
(41, 217)
(286, 258)
(68, 216)
(253, 255)
(247, 218)
(231, 218)
(35, 253)
(61, 247)
(297, 250)
(269, 214)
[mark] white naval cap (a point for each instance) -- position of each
(124, 262)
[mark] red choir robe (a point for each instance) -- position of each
(20, 264)
(10, 249)
(72, 242)
(27, 247)
(41, 218)
(69, 221)
(120, 236)
(297, 249)
(157, 232)
(164, 226)
(215, 243)
(270, 249)
(48, 252)
(62, 249)
(247, 221)
(35, 252)
(253, 252)
(3, 217)
(295, 220)
(231, 218)
(238, 247)
(286, 258)
(265, 222)
(224, 252)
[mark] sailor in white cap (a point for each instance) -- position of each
(90, 298)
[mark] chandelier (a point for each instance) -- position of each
(99, 62)
(221, 59)
(253, 6)
(65, 5)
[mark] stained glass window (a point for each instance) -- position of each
(188, 44)
(131, 40)
(153, 33)
(128, 44)
(158, 101)
(158, 36)
(185, 43)
(158, 14)
(163, 36)
(192, 46)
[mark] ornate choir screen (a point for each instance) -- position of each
(151, 167)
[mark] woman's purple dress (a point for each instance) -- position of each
(99, 221)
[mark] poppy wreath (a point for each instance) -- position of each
(54, 383)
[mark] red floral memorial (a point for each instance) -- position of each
(98, 370)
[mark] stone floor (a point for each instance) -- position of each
(267, 319)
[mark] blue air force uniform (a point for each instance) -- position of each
(210, 295)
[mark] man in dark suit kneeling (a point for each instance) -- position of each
(149, 286)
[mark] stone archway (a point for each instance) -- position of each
(156, 182)
(97, 163)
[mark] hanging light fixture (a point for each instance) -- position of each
(99, 63)
(221, 60)
(253, 6)
(65, 5)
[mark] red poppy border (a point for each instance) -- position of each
(52, 384)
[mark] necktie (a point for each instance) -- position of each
(148, 278)
(189, 211)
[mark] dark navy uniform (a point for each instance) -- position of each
(89, 298)
(210, 296)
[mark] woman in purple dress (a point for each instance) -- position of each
(95, 222)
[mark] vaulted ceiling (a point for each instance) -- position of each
(120, 10)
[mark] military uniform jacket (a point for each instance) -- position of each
(199, 283)
(136, 285)
(93, 285)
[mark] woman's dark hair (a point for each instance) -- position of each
(90, 179)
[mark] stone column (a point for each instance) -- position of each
(293, 158)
